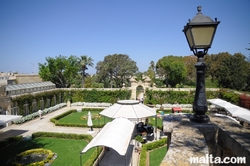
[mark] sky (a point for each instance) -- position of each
(145, 30)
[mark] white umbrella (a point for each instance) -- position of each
(90, 123)
(130, 109)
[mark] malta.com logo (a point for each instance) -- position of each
(217, 160)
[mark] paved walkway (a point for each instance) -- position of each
(44, 124)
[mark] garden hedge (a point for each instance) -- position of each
(56, 121)
(87, 138)
(150, 146)
(10, 140)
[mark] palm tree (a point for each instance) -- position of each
(84, 62)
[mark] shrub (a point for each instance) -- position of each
(245, 101)
(93, 157)
(139, 139)
(36, 115)
(10, 140)
(62, 135)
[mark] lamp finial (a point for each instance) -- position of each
(199, 10)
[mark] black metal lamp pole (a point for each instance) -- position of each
(199, 33)
(200, 99)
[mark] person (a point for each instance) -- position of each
(40, 114)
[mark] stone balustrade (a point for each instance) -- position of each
(221, 137)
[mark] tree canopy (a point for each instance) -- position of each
(223, 70)
(231, 71)
(173, 68)
(151, 72)
(115, 70)
(59, 70)
(84, 62)
(190, 62)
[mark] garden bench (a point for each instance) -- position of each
(176, 109)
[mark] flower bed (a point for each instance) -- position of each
(173, 105)
(36, 114)
(91, 104)
(35, 157)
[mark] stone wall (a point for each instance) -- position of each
(223, 137)
(27, 78)
(186, 141)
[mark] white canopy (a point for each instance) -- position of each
(234, 110)
(128, 109)
(115, 135)
(7, 118)
(245, 118)
(241, 112)
(218, 102)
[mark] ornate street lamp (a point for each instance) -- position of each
(199, 33)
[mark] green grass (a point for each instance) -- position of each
(152, 121)
(156, 156)
(76, 118)
(68, 151)
(159, 119)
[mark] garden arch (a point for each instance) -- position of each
(138, 87)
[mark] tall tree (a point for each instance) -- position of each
(59, 70)
(115, 70)
(249, 54)
(190, 62)
(214, 63)
(84, 62)
(231, 71)
(151, 72)
(248, 78)
(173, 68)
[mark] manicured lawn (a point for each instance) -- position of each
(156, 156)
(152, 121)
(68, 151)
(159, 118)
(82, 118)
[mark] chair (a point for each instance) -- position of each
(150, 130)
(140, 127)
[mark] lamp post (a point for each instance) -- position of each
(199, 33)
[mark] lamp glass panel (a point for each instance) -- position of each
(203, 36)
(189, 38)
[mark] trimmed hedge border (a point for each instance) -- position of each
(55, 119)
(10, 140)
(87, 138)
(150, 146)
